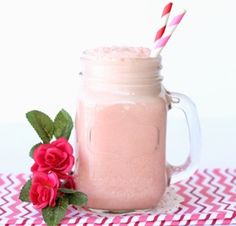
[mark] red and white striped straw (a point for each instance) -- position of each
(161, 43)
(164, 19)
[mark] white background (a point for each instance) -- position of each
(41, 42)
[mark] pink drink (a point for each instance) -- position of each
(121, 129)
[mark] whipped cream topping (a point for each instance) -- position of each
(114, 53)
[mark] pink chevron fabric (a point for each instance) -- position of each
(209, 199)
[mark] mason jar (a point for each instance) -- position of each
(121, 130)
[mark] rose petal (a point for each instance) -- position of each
(63, 144)
(34, 168)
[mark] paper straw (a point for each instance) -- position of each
(161, 43)
(164, 19)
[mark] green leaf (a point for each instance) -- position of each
(24, 193)
(53, 215)
(77, 198)
(42, 124)
(31, 154)
(63, 125)
(67, 190)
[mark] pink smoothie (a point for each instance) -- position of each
(121, 142)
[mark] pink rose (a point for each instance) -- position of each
(56, 157)
(43, 191)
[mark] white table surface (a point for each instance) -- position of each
(218, 144)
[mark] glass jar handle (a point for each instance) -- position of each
(184, 103)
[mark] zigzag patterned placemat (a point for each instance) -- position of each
(209, 199)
